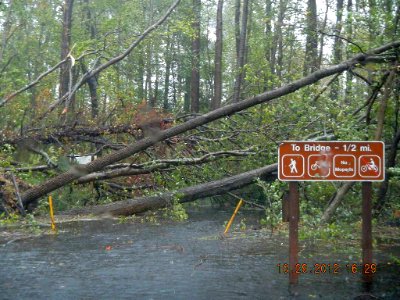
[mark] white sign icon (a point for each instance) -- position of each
(292, 166)
(370, 166)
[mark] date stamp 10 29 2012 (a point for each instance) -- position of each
(327, 268)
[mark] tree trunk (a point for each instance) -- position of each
(337, 46)
(242, 54)
(268, 38)
(277, 41)
(216, 101)
(209, 189)
(98, 164)
(321, 42)
(167, 56)
(66, 47)
(92, 81)
(311, 54)
(237, 28)
(384, 186)
(336, 199)
(195, 79)
(140, 76)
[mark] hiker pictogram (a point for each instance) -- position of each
(293, 165)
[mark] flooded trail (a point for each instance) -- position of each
(106, 259)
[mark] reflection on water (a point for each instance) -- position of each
(105, 259)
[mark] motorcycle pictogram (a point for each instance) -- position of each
(370, 166)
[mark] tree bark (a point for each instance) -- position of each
(241, 54)
(237, 28)
(337, 46)
(195, 79)
(98, 164)
(311, 53)
(92, 81)
(167, 57)
(277, 42)
(268, 39)
(321, 41)
(216, 101)
(213, 188)
(66, 47)
(384, 186)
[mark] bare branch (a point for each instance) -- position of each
(342, 38)
(33, 83)
(137, 169)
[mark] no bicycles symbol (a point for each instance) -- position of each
(331, 161)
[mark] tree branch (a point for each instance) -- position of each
(33, 83)
(132, 169)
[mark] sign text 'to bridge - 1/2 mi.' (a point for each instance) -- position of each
(331, 161)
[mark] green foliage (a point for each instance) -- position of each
(176, 211)
(273, 195)
(27, 223)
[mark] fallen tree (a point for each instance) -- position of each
(98, 164)
(209, 189)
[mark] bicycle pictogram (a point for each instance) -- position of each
(316, 165)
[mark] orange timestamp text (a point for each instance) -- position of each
(327, 268)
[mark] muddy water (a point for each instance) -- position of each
(109, 260)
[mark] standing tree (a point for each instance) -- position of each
(241, 53)
(216, 101)
(65, 69)
(311, 55)
(195, 79)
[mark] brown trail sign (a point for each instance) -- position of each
(331, 161)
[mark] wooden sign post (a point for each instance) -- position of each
(331, 161)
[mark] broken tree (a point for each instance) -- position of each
(100, 163)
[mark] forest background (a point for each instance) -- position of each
(103, 101)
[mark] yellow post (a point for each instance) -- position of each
(233, 216)
(53, 224)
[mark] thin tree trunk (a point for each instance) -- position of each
(167, 56)
(6, 31)
(237, 28)
(140, 76)
(195, 79)
(337, 46)
(311, 53)
(242, 50)
(277, 43)
(92, 82)
(349, 34)
(149, 88)
(216, 101)
(66, 47)
(321, 42)
(268, 38)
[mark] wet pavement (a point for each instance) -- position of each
(106, 259)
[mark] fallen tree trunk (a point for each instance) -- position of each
(98, 164)
(209, 189)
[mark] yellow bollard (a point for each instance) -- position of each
(53, 224)
(233, 216)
